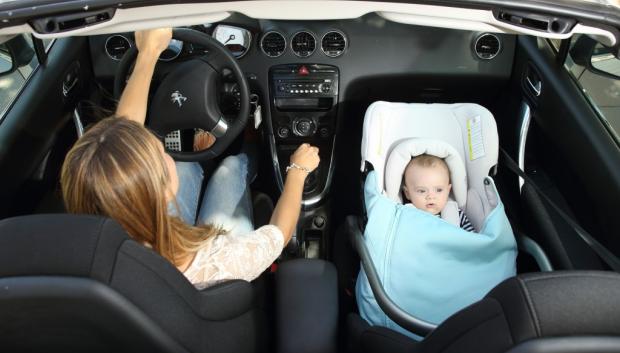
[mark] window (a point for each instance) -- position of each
(11, 84)
(603, 90)
(555, 44)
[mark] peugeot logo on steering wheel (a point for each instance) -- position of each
(177, 97)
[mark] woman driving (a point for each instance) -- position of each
(119, 169)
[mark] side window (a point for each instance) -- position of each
(597, 72)
(17, 63)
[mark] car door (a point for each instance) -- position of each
(36, 127)
(564, 141)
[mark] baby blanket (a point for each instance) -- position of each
(428, 266)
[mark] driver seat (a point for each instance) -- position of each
(79, 283)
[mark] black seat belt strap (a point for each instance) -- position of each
(607, 256)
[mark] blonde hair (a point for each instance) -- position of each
(117, 170)
(428, 161)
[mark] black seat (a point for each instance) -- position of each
(564, 311)
(78, 283)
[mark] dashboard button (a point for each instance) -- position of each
(284, 132)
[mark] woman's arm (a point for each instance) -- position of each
(134, 100)
(286, 213)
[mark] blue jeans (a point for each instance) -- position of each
(226, 201)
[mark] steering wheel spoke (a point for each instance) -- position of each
(217, 61)
(219, 130)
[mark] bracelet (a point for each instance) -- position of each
(297, 166)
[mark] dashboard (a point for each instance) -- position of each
(303, 43)
(314, 79)
(375, 58)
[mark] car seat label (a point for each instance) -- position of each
(475, 142)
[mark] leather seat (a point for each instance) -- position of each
(79, 283)
(563, 311)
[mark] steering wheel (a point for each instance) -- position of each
(187, 97)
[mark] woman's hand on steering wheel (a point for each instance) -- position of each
(153, 41)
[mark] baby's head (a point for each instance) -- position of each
(426, 183)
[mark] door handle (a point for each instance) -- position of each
(535, 85)
(72, 77)
(68, 85)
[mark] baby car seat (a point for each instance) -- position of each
(427, 265)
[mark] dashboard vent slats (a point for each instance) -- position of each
(487, 46)
(273, 44)
(333, 44)
(303, 44)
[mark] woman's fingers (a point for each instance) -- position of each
(203, 140)
(306, 156)
(153, 40)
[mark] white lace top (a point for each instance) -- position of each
(234, 256)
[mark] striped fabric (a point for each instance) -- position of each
(464, 222)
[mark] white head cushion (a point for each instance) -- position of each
(409, 148)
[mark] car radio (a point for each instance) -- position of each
(301, 81)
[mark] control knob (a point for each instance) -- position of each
(304, 127)
(283, 132)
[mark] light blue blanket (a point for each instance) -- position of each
(427, 266)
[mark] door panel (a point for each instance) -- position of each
(571, 154)
(31, 127)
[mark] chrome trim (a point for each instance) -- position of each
(537, 88)
(499, 48)
(526, 118)
(346, 43)
(105, 46)
(263, 49)
(280, 181)
(247, 50)
(77, 120)
(220, 128)
(313, 37)
(276, 162)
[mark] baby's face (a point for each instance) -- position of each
(427, 188)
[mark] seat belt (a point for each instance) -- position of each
(607, 256)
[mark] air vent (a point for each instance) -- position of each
(536, 22)
(273, 44)
(63, 23)
(487, 46)
(303, 44)
(116, 46)
(333, 44)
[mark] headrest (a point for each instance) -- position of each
(409, 148)
(60, 244)
(560, 303)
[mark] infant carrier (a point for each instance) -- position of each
(427, 265)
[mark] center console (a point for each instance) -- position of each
(304, 101)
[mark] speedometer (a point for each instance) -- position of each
(236, 39)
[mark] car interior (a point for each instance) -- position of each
(291, 74)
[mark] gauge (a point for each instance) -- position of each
(236, 39)
(172, 52)
(116, 46)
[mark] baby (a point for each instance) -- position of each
(426, 184)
